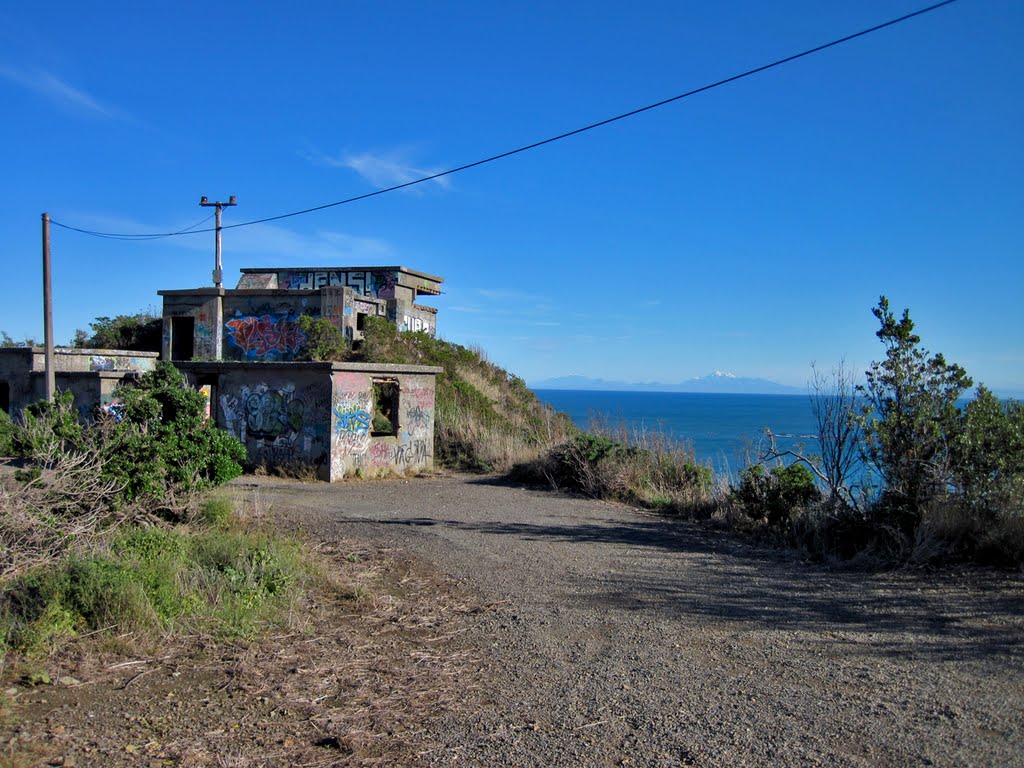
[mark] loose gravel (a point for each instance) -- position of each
(623, 638)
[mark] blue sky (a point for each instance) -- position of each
(748, 229)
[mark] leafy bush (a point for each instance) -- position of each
(47, 429)
(324, 341)
(777, 495)
(164, 444)
(646, 469)
(909, 416)
(987, 455)
(141, 332)
(6, 435)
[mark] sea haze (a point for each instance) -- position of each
(724, 430)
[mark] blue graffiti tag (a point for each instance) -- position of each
(351, 421)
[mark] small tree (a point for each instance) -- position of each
(987, 455)
(910, 411)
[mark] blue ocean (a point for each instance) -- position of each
(724, 430)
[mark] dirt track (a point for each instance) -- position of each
(624, 639)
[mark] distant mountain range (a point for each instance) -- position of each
(719, 381)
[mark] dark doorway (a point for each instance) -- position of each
(183, 331)
(5, 397)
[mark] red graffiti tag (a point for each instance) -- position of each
(259, 336)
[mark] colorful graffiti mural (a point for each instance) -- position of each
(266, 336)
(113, 408)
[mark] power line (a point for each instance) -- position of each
(121, 236)
(536, 144)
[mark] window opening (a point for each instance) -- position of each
(385, 408)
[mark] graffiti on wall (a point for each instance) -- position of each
(414, 324)
(278, 424)
(207, 392)
(366, 308)
(111, 363)
(420, 396)
(419, 418)
(267, 336)
(411, 451)
(350, 414)
(113, 408)
(379, 284)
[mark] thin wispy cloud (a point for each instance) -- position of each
(59, 92)
(381, 169)
(256, 245)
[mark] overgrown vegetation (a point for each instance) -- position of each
(903, 473)
(485, 419)
(102, 528)
(141, 332)
(324, 341)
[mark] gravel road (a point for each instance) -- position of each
(622, 638)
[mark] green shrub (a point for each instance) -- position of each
(216, 511)
(324, 341)
(47, 429)
(777, 495)
(164, 444)
(142, 332)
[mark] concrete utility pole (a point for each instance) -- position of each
(218, 272)
(51, 378)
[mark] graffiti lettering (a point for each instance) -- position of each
(421, 396)
(269, 414)
(415, 452)
(379, 284)
(419, 418)
(265, 335)
(415, 324)
(351, 421)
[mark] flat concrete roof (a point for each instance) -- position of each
(261, 270)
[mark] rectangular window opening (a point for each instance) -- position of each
(360, 321)
(385, 408)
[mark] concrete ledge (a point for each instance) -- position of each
(227, 365)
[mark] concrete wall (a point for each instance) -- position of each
(203, 306)
(356, 449)
(321, 415)
(91, 375)
(282, 415)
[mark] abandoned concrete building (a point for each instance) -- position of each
(243, 349)
(257, 320)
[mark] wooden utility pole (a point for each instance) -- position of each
(218, 272)
(51, 378)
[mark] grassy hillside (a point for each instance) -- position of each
(486, 419)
